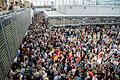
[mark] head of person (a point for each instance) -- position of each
(16, 3)
(12, 4)
(1, 9)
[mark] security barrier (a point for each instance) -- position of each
(12, 30)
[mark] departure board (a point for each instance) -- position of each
(4, 59)
(9, 30)
(12, 30)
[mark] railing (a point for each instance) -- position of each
(11, 11)
(13, 27)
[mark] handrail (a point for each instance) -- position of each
(11, 11)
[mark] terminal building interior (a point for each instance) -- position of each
(59, 39)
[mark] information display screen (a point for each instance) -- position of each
(4, 60)
(9, 30)
(12, 30)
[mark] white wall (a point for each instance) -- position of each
(90, 10)
(42, 9)
(61, 8)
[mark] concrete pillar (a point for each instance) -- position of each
(73, 2)
(97, 2)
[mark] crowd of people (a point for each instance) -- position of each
(12, 7)
(67, 53)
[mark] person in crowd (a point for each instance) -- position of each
(11, 6)
(68, 53)
(1, 9)
(16, 6)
